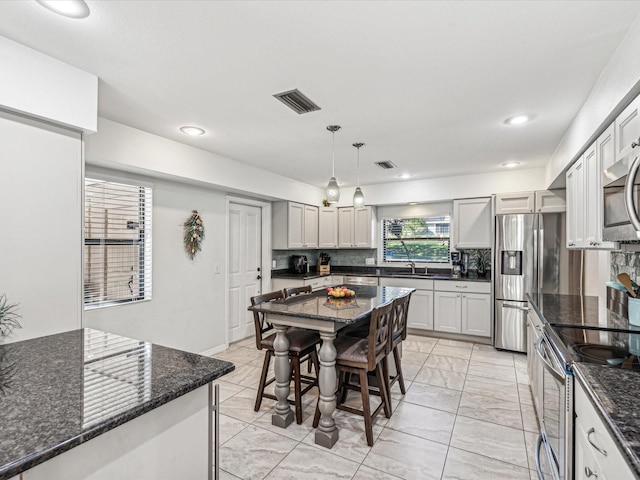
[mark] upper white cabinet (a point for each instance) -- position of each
(627, 129)
(472, 223)
(522, 202)
(549, 201)
(356, 227)
(575, 205)
(327, 227)
(294, 225)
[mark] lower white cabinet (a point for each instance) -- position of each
(596, 455)
(315, 282)
(421, 303)
(476, 314)
(462, 307)
(447, 312)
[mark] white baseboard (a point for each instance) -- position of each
(212, 351)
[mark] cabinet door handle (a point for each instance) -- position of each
(461, 286)
(601, 450)
(589, 473)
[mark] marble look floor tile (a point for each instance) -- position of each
(409, 372)
(462, 465)
(496, 441)
(228, 389)
(250, 341)
(423, 422)
(495, 358)
(240, 355)
(524, 391)
(418, 345)
(308, 462)
(455, 343)
(522, 376)
(447, 351)
(240, 406)
(457, 365)
(410, 357)
(230, 427)
(530, 439)
(500, 389)
(433, 397)
(487, 370)
(254, 452)
(293, 431)
(245, 375)
(529, 418)
(368, 473)
(440, 378)
(352, 443)
(501, 412)
(224, 475)
(407, 456)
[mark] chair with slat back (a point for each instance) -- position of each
(291, 291)
(398, 334)
(360, 356)
(302, 346)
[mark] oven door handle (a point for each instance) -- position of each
(629, 201)
(558, 374)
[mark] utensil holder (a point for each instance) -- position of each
(618, 302)
(634, 311)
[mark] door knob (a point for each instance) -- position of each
(259, 277)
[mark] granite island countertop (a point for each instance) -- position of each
(59, 391)
(388, 272)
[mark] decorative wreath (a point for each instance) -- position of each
(193, 234)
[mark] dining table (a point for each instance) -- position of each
(327, 315)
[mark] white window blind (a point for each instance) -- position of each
(117, 245)
(419, 239)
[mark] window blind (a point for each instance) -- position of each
(117, 245)
(418, 239)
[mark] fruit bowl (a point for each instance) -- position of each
(340, 292)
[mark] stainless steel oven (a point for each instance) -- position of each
(554, 448)
(621, 199)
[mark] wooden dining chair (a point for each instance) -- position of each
(302, 345)
(292, 292)
(398, 334)
(359, 356)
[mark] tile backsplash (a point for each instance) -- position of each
(344, 257)
(625, 262)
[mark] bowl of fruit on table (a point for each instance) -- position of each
(340, 292)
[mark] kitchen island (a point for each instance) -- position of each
(87, 404)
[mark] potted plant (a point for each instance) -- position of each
(482, 259)
(8, 316)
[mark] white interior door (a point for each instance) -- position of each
(245, 260)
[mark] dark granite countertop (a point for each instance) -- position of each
(52, 390)
(392, 272)
(614, 393)
(320, 306)
(575, 311)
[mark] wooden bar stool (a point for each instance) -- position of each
(360, 356)
(302, 345)
(398, 334)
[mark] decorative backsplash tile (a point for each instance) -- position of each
(625, 262)
(344, 257)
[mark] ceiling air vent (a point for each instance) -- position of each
(297, 101)
(386, 165)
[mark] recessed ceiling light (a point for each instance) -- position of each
(193, 131)
(404, 176)
(518, 119)
(510, 164)
(67, 8)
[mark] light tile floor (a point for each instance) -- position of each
(467, 414)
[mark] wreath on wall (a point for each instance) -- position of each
(193, 234)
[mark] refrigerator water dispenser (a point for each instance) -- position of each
(511, 262)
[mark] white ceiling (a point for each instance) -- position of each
(425, 85)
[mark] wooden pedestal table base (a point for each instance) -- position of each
(327, 432)
(283, 415)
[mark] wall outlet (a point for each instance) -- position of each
(273, 264)
(216, 268)
(369, 261)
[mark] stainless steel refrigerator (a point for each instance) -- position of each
(530, 257)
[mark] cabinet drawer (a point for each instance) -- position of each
(417, 283)
(318, 282)
(468, 287)
(594, 432)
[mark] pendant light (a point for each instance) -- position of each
(358, 196)
(333, 190)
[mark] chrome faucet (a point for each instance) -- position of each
(413, 267)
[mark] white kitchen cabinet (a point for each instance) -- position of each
(447, 312)
(550, 201)
(596, 453)
(356, 227)
(327, 227)
(627, 129)
(421, 304)
(476, 314)
(294, 225)
(315, 282)
(462, 307)
(575, 205)
(606, 148)
(520, 202)
(472, 223)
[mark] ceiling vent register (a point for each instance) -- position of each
(297, 101)
(386, 165)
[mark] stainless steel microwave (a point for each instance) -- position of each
(621, 200)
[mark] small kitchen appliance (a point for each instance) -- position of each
(456, 264)
(298, 264)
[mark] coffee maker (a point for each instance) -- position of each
(456, 264)
(298, 264)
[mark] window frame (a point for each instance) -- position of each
(143, 289)
(436, 263)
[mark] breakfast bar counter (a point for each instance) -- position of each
(91, 404)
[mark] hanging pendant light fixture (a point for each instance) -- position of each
(333, 190)
(358, 196)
